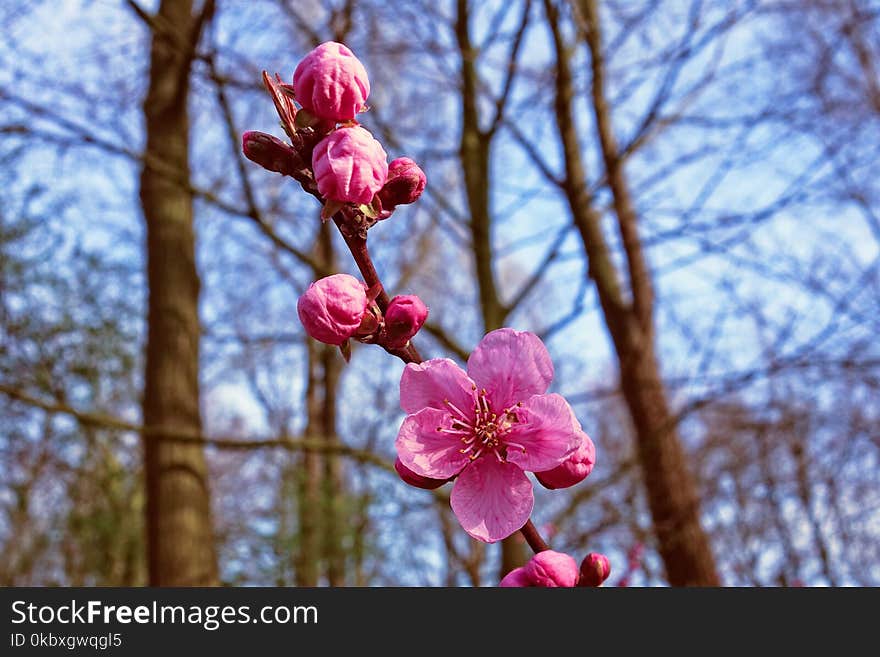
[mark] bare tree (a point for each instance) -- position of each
(180, 534)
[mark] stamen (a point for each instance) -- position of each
(510, 443)
(454, 432)
(484, 401)
(455, 408)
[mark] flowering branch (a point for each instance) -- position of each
(483, 428)
(357, 245)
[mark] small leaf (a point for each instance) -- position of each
(330, 208)
(287, 90)
(368, 210)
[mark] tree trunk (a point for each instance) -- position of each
(336, 514)
(474, 153)
(307, 558)
(180, 537)
(322, 500)
(672, 494)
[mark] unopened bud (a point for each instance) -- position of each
(516, 578)
(403, 319)
(550, 568)
(417, 480)
(331, 83)
(271, 153)
(547, 569)
(595, 569)
(332, 309)
(405, 184)
(572, 470)
(350, 166)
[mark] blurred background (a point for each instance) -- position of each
(680, 197)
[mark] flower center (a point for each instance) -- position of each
(481, 430)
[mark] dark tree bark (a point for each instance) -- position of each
(180, 537)
(671, 491)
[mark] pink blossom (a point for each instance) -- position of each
(405, 184)
(403, 319)
(331, 83)
(595, 569)
(487, 426)
(350, 166)
(413, 479)
(547, 569)
(332, 309)
(572, 470)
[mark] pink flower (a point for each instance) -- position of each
(572, 470)
(595, 569)
(332, 309)
(403, 319)
(405, 184)
(487, 427)
(331, 83)
(350, 166)
(413, 479)
(547, 569)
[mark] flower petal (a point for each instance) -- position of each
(428, 384)
(512, 366)
(516, 577)
(491, 499)
(426, 451)
(547, 429)
(574, 469)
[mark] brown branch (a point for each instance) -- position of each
(474, 156)
(166, 434)
(446, 340)
(533, 537)
(501, 101)
(627, 219)
(155, 164)
(540, 270)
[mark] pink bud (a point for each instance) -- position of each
(417, 480)
(550, 568)
(573, 470)
(406, 182)
(595, 569)
(516, 578)
(331, 83)
(403, 319)
(332, 309)
(270, 153)
(350, 166)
